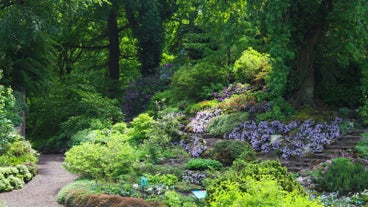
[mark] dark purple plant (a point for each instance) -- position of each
(194, 145)
(194, 177)
(292, 139)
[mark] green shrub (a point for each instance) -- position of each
(242, 171)
(174, 199)
(198, 82)
(362, 147)
(202, 106)
(100, 161)
(228, 151)
(162, 179)
(252, 67)
(69, 107)
(235, 103)
(203, 164)
(16, 182)
(225, 123)
(24, 173)
(142, 125)
(264, 191)
(343, 176)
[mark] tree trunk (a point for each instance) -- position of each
(114, 51)
(305, 69)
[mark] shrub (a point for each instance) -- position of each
(228, 151)
(164, 179)
(252, 67)
(225, 123)
(264, 191)
(142, 125)
(201, 106)
(362, 147)
(343, 176)
(203, 164)
(241, 171)
(13, 177)
(174, 199)
(100, 161)
(198, 82)
(68, 108)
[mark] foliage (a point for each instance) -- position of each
(200, 122)
(362, 147)
(100, 161)
(201, 106)
(225, 123)
(203, 164)
(19, 152)
(164, 179)
(194, 145)
(198, 82)
(12, 178)
(140, 91)
(230, 90)
(252, 67)
(142, 125)
(242, 172)
(68, 108)
(292, 139)
(264, 191)
(343, 176)
(174, 199)
(228, 151)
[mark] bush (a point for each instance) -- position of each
(198, 82)
(68, 108)
(343, 176)
(252, 67)
(100, 161)
(241, 172)
(228, 151)
(202, 106)
(142, 125)
(174, 199)
(362, 147)
(225, 123)
(14, 177)
(203, 164)
(264, 191)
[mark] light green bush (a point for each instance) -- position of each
(252, 67)
(100, 161)
(258, 192)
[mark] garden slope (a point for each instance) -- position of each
(41, 191)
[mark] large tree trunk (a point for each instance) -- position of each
(114, 51)
(305, 69)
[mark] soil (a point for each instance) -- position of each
(42, 190)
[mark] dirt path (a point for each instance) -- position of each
(41, 191)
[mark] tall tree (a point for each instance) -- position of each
(295, 29)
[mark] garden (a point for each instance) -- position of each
(186, 103)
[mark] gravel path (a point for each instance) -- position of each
(41, 191)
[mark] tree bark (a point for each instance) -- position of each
(114, 50)
(305, 69)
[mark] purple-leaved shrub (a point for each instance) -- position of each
(292, 139)
(194, 145)
(200, 122)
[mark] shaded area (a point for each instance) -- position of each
(42, 190)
